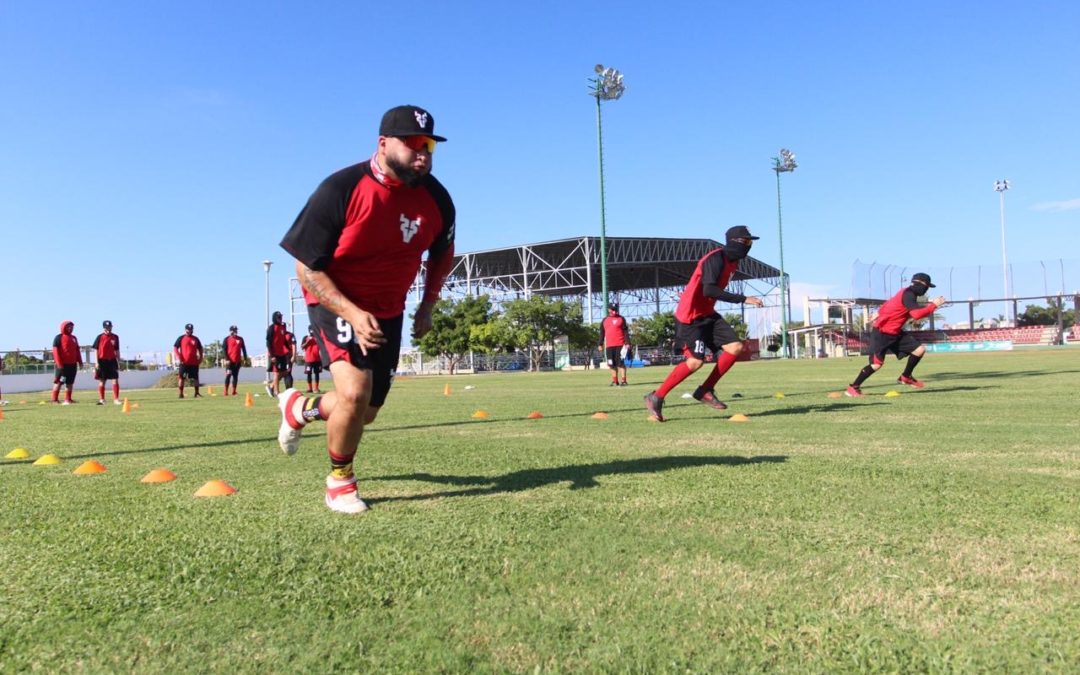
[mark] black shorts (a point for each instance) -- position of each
(278, 364)
(189, 372)
(336, 343)
(107, 369)
(312, 367)
(233, 368)
(706, 334)
(882, 343)
(614, 357)
(65, 374)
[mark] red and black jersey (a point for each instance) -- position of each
(898, 309)
(311, 349)
(290, 344)
(276, 342)
(235, 349)
(369, 235)
(65, 346)
(706, 286)
(188, 349)
(107, 346)
(614, 331)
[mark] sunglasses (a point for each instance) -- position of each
(418, 143)
(743, 240)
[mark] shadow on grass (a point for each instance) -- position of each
(270, 441)
(995, 374)
(579, 475)
(840, 406)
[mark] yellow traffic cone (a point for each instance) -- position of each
(210, 389)
(126, 408)
(446, 390)
(248, 401)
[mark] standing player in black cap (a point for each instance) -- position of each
(235, 353)
(107, 345)
(277, 353)
(889, 334)
(698, 326)
(614, 336)
(189, 353)
(358, 245)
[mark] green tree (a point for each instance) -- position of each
(737, 322)
(213, 353)
(532, 325)
(451, 335)
(657, 330)
(1037, 315)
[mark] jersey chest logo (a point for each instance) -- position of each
(409, 228)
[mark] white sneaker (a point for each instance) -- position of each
(117, 401)
(66, 403)
(291, 425)
(341, 496)
(270, 391)
(101, 401)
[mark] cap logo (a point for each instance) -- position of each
(421, 118)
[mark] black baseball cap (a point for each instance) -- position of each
(106, 324)
(232, 327)
(923, 277)
(614, 306)
(740, 232)
(189, 327)
(408, 120)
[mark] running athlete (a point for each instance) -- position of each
(235, 355)
(615, 335)
(277, 353)
(286, 375)
(107, 344)
(312, 359)
(889, 334)
(698, 327)
(68, 358)
(189, 354)
(358, 245)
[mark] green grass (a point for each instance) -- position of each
(937, 531)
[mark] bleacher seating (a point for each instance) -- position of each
(1021, 335)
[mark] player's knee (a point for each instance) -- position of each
(693, 363)
(371, 413)
(919, 351)
(733, 348)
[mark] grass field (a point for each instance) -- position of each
(935, 531)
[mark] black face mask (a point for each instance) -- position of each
(735, 250)
(919, 289)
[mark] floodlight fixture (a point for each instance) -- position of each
(606, 86)
(785, 163)
(1000, 186)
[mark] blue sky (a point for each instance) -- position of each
(152, 154)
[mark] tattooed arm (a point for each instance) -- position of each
(365, 325)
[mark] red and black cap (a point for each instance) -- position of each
(189, 327)
(739, 232)
(408, 120)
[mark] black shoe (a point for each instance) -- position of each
(655, 406)
(613, 384)
(708, 397)
(198, 395)
(623, 384)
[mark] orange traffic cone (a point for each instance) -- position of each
(534, 415)
(159, 476)
(446, 390)
(210, 389)
(1, 414)
(215, 488)
(89, 467)
(126, 408)
(248, 401)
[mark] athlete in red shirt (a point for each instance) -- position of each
(698, 327)
(614, 336)
(68, 358)
(358, 244)
(107, 345)
(277, 353)
(286, 375)
(889, 334)
(312, 360)
(235, 355)
(189, 354)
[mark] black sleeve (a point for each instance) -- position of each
(97, 341)
(909, 299)
(176, 345)
(269, 335)
(314, 234)
(243, 348)
(710, 272)
(56, 340)
(449, 216)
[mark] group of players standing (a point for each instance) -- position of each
(188, 353)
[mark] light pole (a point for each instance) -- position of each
(606, 86)
(785, 163)
(1001, 186)
(266, 266)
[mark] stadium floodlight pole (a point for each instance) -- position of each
(606, 86)
(266, 266)
(1001, 186)
(785, 163)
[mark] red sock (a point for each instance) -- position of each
(116, 390)
(723, 364)
(101, 391)
(677, 375)
(67, 395)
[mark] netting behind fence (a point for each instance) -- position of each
(979, 282)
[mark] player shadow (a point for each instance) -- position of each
(580, 476)
(995, 374)
(267, 440)
(840, 406)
